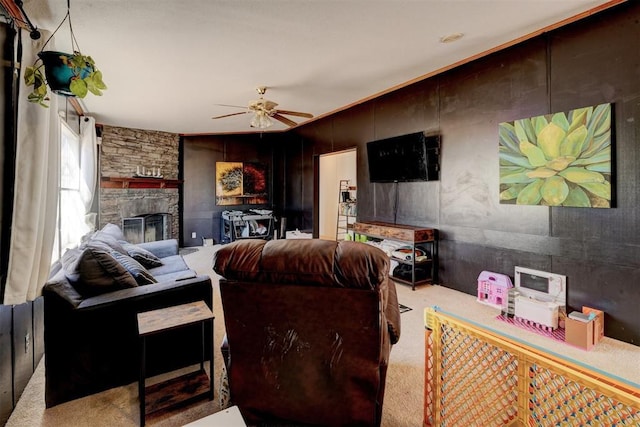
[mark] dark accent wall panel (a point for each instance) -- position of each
(22, 348)
(38, 331)
(199, 189)
(200, 154)
(412, 109)
(593, 63)
(474, 100)
(461, 263)
(6, 374)
(611, 288)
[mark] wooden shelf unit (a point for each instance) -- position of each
(346, 209)
(415, 237)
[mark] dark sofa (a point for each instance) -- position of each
(90, 329)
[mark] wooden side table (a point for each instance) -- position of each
(230, 417)
(186, 387)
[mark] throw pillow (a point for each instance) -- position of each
(114, 231)
(143, 256)
(99, 272)
(108, 239)
(142, 276)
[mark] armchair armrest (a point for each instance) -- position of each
(161, 248)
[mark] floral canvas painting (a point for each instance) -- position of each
(240, 183)
(561, 159)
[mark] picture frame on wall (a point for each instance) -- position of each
(240, 183)
(560, 159)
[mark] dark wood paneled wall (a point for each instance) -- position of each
(21, 326)
(21, 349)
(199, 155)
(589, 62)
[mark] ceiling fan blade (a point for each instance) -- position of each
(229, 115)
(229, 105)
(295, 113)
(284, 120)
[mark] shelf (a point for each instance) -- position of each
(232, 226)
(408, 282)
(176, 391)
(415, 237)
(347, 210)
(409, 262)
(123, 182)
(402, 233)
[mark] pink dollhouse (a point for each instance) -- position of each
(493, 289)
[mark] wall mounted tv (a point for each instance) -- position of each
(405, 158)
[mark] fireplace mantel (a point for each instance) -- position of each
(118, 182)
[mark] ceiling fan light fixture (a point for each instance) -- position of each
(451, 38)
(260, 120)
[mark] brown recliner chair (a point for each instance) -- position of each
(309, 324)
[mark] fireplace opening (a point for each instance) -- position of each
(147, 228)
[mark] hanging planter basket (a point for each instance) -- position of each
(60, 73)
(66, 74)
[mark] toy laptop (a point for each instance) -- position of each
(538, 298)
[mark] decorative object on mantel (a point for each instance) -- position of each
(148, 172)
(67, 74)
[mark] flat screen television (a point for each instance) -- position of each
(405, 158)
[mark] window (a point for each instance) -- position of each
(71, 210)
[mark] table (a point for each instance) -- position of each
(414, 238)
(189, 386)
(229, 417)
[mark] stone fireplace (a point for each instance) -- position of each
(119, 205)
(146, 208)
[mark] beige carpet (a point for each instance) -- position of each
(405, 377)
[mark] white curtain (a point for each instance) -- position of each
(88, 166)
(35, 190)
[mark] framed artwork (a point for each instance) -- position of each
(561, 159)
(239, 183)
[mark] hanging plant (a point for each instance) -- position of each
(67, 74)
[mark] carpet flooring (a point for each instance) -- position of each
(403, 403)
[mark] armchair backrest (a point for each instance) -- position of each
(309, 327)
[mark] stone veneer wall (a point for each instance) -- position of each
(121, 152)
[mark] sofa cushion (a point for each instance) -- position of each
(170, 264)
(143, 256)
(95, 271)
(175, 276)
(142, 276)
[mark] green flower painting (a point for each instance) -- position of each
(561, 159)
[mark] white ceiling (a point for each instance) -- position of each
(168, 63)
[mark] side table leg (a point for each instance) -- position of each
(141, 381)
(211, 362)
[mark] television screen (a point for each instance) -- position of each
(406, 158)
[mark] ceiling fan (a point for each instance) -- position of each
(264, 110)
